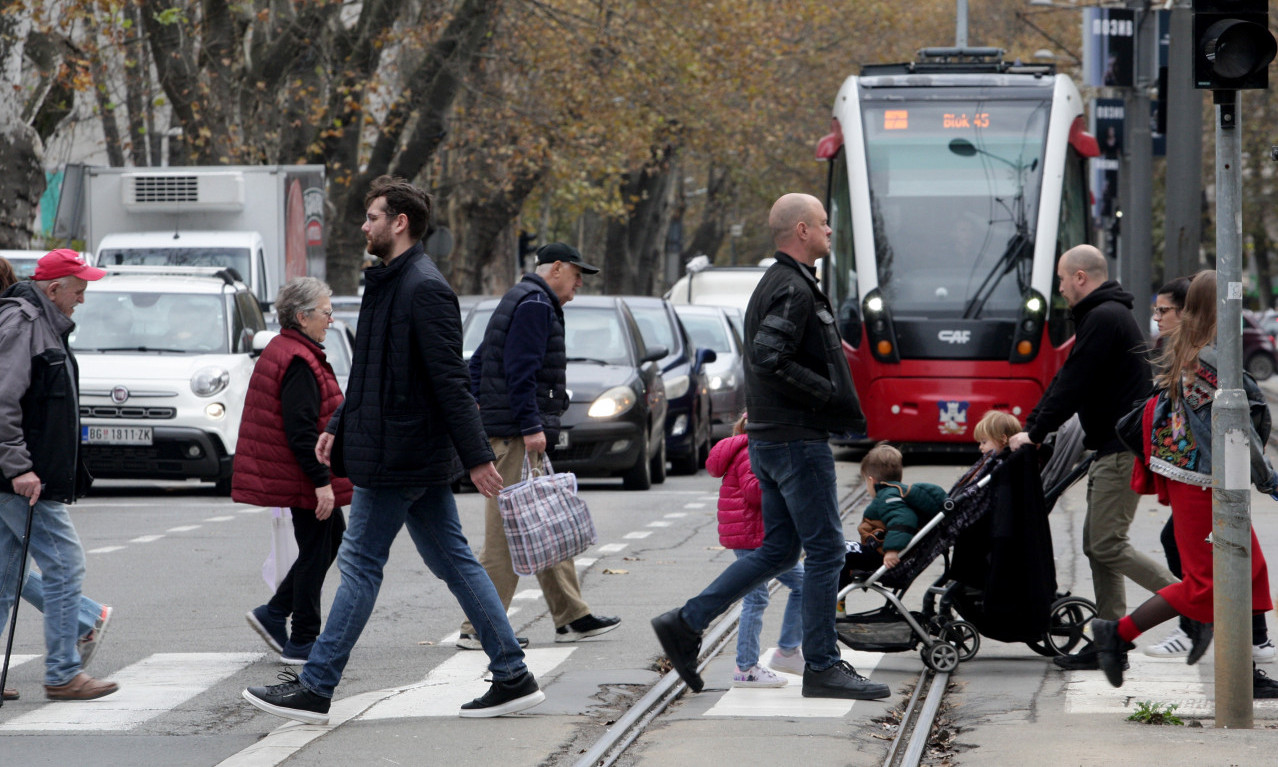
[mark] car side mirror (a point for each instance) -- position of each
(260, 339)
(705, 356)
(654, 353)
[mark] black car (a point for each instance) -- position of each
(687, 385)
(615, 422)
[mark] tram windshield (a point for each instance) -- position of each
(954, 187)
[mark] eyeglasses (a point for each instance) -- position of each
(327, 313)
(373, 217)
(1161, 310)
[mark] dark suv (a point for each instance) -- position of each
(687, 387)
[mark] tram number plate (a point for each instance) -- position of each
(115, 435)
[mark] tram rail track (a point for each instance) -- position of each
(907, 749)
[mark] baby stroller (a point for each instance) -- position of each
(999, 576)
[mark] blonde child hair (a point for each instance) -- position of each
(882, 464)
(996, 426)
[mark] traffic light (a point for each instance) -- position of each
(1232, 44)
(527, 245)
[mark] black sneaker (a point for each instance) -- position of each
(586, 626)
(1087, 659)
(1261, 685)
(269, 626)
(1200, 635)
(682, 646)
(471, 642)
(296, 653)
(290, 700)
(1109, 653)
(505, 697)
(841, 681)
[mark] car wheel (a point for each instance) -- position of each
(658, 468)
(685, 464)
(639, 476)
(223, 486)
(1261, 366)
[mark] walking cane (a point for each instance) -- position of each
(17, 599)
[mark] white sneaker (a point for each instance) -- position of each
(788, 664)
(757, 676)
(1263, 652)
(1175, 645)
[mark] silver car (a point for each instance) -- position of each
(711, 328)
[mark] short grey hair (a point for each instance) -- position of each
(300, 294)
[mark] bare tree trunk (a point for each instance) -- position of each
(21, 184)
(1264, 273)
(636, 247)
(406, 155)
(720, 196)
(487, 260)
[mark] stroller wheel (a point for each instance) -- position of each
(941, 657)
(965, 638)
(1065, 635)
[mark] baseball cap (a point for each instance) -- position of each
(559, 251)
(65, 262)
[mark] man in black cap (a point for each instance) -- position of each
(518, 376)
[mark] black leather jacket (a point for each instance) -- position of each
(795, 372)
(408, 412)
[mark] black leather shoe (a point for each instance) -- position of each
(1087, 660)
(1200, 635)
(1261, 685)
(290, 700)
(682, 646)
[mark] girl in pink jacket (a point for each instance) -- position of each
(741, 529)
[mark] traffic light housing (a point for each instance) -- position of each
(527, 244)
(1232, 44)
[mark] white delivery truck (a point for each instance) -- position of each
(264, 221)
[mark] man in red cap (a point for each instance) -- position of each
(40, 469)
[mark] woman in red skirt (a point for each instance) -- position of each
(1176, 436)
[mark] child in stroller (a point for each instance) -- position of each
(999, 576)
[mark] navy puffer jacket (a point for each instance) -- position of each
(409, 419)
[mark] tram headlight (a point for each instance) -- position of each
(874, 304)
(1029, 329)
(1034, 305)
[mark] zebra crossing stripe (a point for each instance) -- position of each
(788, 701)
(148, 688)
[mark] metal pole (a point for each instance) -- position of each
(960, 24)
(1184, 109)
(1138, 209)
(1230, 436)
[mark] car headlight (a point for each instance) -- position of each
(677, 387)
(612, 403)
(209, 381)
(728, 381)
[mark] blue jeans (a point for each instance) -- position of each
(752, 606)
(33, 592)
(56, 549)
(430, 513)
(800, 513)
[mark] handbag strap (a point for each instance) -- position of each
(545, 470)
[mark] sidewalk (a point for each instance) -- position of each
(1009, 706)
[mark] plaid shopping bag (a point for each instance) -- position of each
(546, 521)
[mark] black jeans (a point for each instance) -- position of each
(299, 592)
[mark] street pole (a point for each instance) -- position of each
(960, 24)
(1230, 437)
(1137, 248)
(1184, 110)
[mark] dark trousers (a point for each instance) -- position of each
(299, 592)
(1259, 632)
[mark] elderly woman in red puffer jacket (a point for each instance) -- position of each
(741, 529)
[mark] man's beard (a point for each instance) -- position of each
(378, 247)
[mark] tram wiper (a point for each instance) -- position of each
(1017, 248)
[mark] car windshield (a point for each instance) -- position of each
(473, 335)
(707, 331)
(337, 352)
(236, 258)
(595, 333)
(172, 322)
(655, 327)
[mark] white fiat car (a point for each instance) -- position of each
(165, 357)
